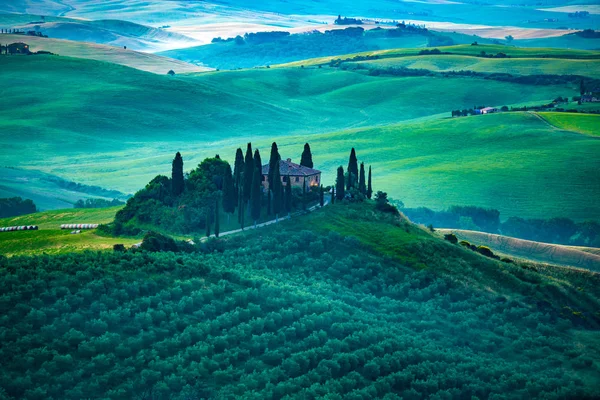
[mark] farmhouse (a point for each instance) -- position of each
(298, 174)
(489, 110)
(590, 98)
(18, 48)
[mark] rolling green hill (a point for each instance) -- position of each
(50, 239)
(311, 307)
(124, 140)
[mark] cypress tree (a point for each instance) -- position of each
(352, 169)
(362, 187)
(177, 183)
(238, 170)
(208, 222)
(248, 173)
(339, 184)
(229, 197)
(255, 196)
(277, 191)
(258, 166)
(581, 87)
(321, 197)
(273, 166)
(369, 187)
(217, 220)
(304, 194)
(288, 195)
(241, 209)
(306, 159)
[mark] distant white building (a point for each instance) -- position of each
(489, 110)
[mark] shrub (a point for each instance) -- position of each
(119, 247)
(451, 237)
(486, 251)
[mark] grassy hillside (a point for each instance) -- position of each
(124, 140)
(585, 124)
(555, 254)
(48, 192)
(50, 239)
(287, 311)
(116, 55)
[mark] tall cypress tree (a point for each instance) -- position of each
(241, 208)
(248, 173)
(288, 195)
(339, 184)
(238, 170)
(255, 195)
(369, 187)
(229, 194)
(217, 219)
(352, 170)
(258, 167)
(321, 196)
(304, 194)
(208, 221)
(273, 166)
(306, 159)
(582, 89)
(277, 192)
(177, 183)
(362, 186)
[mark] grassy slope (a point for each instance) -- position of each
(585, 124)
(516, 66)
(514, 162)
(117, 55)
(50, 239)
(124, 139)
(39, 187)
(535, 251)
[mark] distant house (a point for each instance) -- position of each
(488, 110)
(18, 48)
(590, 98)
(298, 175)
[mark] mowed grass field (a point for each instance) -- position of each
(50, 239)
(587, 124)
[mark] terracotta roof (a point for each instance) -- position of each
(287, 167)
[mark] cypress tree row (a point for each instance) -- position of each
(352, 170)
(241, 208)
(273, 165)
(288, 195)
(177, 183)
(369, 187)
(321, 196)
(339, 184)
(229, 193)
(277, 191)
(255, 196)
(238, 170)
(217, 220)
(248, 173)
(362, 187)
(306, 159)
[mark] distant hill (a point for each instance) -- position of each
(48, 191)
(116, 55)
(109, 32)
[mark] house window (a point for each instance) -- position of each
(297, 179)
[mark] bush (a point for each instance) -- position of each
(486, 251)
(119, 247)
(451, 237)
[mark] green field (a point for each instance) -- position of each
(50, 239)
(396, 124)
(585, 124)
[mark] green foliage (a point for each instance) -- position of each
(306, 159)
(362, 186)
(369, 185)
(97, 203)
(238, 319)
(256, 189)
(177, 183)
(248, 173)
(451, 238)
(382, 203)
(15, 206)
(486, 251)
(229, 192)
(340, 184)
(352, 170)
(154, 242)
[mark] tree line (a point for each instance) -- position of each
(15, 206)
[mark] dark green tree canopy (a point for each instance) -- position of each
(369, 186)
(306, 159)
(248, 172)
(352, 170)
(362, 186)
(339, 184)
(177, 182)
(229, 192)
(273, 162)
